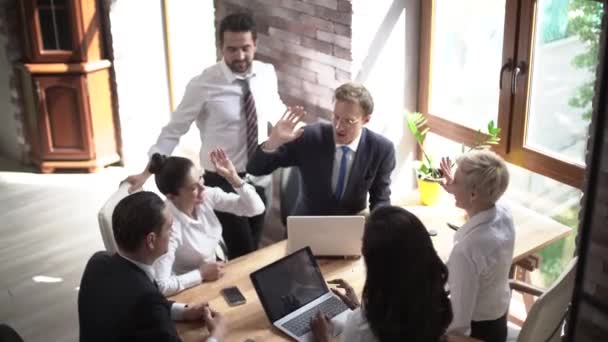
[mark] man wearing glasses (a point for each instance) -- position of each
(339, 163)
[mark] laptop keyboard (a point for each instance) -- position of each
(300, 325)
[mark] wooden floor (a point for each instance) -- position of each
(48, 227)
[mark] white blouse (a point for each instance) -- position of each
(356, 328)
(479, 268)
(193, 241)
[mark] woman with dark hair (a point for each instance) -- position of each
(196, 231)
(405, 303)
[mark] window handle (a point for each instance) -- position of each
(519, 69)
(506, 67)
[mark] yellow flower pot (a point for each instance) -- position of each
(430, 191)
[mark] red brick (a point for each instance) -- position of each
(318, 23)
(334, 16)
(317, 67)
(318, 45)
(341, 41)
(318, 89)
(298, 72)
(332, 4)
(342, 53)
(299, 6)
(343, 76)
(345, 6)
(343, 30)
(284, 35)
(290, 81)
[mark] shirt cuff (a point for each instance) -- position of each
(265, 149)
(212, 339)
(177, 311)
(191, 278)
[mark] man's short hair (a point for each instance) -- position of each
(136, 216)
(356, 93)
(485, 172)
(238, 22)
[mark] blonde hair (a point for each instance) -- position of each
(357, 93)
(485, 172)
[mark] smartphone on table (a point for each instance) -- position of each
(233, 296)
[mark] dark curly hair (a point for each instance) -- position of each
(237, 22)
(404, 298)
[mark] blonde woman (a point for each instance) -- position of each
(483, 247)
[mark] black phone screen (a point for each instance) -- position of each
(233, 295)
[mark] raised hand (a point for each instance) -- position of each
(137, 181)
(446, 169)
(349, 297)
(285, 130)
(223, 166)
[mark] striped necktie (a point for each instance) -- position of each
(251, 118)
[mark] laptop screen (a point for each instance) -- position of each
(289, 283)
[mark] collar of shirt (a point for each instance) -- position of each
(148, 269)
(231, 76)
(180, 215)
(353, 145)
(478, 219)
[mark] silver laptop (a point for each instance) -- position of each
(326, 235)
(292, 290)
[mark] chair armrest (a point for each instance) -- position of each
(520, 286)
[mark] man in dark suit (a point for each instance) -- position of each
(339, 164)
(118, 298)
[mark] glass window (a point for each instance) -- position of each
(466, 59)
(54, 20)
(564, 59)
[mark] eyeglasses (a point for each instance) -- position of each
(345, 122)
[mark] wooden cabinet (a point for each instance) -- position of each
(67, 86)
(61, 31)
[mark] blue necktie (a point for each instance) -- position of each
(341, 173)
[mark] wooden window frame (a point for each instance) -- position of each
(512, 109)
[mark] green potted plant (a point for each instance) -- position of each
(428, 175)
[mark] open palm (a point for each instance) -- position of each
(222, 163)
(285, 130)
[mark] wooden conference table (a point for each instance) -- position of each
(248, 321)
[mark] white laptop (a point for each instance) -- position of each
(326, 235)
(292, 290)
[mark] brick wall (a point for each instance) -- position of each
(12, 143)
(308, 42)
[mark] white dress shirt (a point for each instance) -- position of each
(356, 328)
(350, 157)
(214, 99)
(193, 241)
(479, 268)
(177, 309)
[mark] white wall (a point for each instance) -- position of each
(9, 140)
(385, 59)
(141, 68)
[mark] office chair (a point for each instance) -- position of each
(546, 317)
(290, 188)
(8, 334)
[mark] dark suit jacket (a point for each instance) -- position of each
(313, 153)
(118, 302)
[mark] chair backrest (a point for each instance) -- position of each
(544, 321)
(290, 188)
(105, 216)
(8, 334)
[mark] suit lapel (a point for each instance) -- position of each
(326, 164)
(357, 170)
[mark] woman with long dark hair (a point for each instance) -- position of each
(404, 297)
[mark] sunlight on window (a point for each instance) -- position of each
(466, 58)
